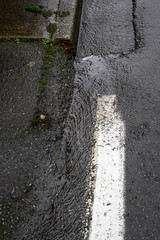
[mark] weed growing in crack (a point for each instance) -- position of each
(45, 41)
(40, 118)
(17, 40)
(48, 60)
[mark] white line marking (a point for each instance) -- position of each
(87, 58)
(108, 206)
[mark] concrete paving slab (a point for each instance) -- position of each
(68, 27)
(17, 22)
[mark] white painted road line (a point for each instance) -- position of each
(108, 206)
(87, 58)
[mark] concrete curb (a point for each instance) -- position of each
(68, 27)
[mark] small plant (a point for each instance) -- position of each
(48, 58)
(34, 121)
(62, 13)
(18, 40)
(41, 90)
(46, 66)
(33, 8)
(52, 28)
(49, 50)
(43, 82)
(47, 14)
(45, 41)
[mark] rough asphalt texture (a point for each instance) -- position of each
(29, 160)
(128, 66)
(130, 58)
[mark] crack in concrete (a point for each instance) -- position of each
(137, 37)
(59, 4)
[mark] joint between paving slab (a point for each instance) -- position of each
(59, 4)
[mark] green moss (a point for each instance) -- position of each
(49, 58)
(33, 8)
(43, 82)
(50, 50)
(44, 74)
(41, 90)
(52, 28)
(46, 66)
(34, 121)
(47, 14)
(62, 13)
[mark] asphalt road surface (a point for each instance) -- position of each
(119, 68)
(108, 169)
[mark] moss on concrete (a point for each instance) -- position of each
(52, 28)
(33, 8)
(47, 14)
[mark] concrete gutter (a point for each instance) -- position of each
(68, 27)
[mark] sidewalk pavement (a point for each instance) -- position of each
(18, 20)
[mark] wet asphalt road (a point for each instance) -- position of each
(124, 40)
(29, 155)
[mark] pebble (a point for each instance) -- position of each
(42, 117)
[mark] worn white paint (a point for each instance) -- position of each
(87, 58)
(108, 206)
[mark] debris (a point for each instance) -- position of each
(42, 117)
(13, 190)
(31, 64)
